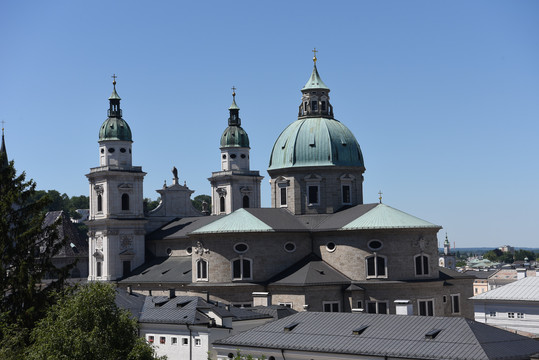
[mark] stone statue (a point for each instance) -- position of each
(175, 173)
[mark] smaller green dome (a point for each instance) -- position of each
(115, 128)
(234, 136)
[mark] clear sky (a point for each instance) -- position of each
(442, 96)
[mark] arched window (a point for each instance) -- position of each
(125, 202)
(376, 266)
(241, 269)
(222, 204)
(202, 269)
(99, 203)
(245, 201)
(421, 265)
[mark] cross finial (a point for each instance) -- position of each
(114, 79)
(3, 122)
(314, 57)
(380, 196)
(233, 91)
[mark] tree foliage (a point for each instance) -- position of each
(87, 324)
(149, 204)
(27, 249)
(63, 202)
(508, 258)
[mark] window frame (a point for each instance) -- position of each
(204, 269)
(349, 186)
(317, 187)
(125, 202)
(421, 270)
(453, 297)
(376, 275)
(426, 301)
(331, 304)
(283, 193)
(377, 306)
(242, 277)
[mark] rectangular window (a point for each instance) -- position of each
(520, 315)
(150, 339)
(174, 341)
(331, 306)
(346, 199)
(162, 340)
(492, 314)
(126, 267)
(455, 304)
(360, 304)
(185, 341)
(198, 342)
(287, 304)
(323, 106)
(377, 307)
(511, 315)
(313, 194)
(426, 307)
(236, 268)
(99, 269)
(314, 105)
(283, 196)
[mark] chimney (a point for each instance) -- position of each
(171, 293)
(403, 307)
(207, 296)
(261, 298)
(129, 290)
(521, 273)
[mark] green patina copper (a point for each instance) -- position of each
(315, 81)
(234, 136)
(316, 141)
(115, 129)
(386, 217)
(238, 221)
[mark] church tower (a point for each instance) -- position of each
(116, 221)
(235, 186)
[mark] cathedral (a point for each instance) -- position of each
(317, 248)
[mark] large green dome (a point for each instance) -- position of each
(316, 141)
(115, 128)
(234, 136)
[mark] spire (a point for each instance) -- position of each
(3, 153)
(114, 101)
(315, 99)
(315, 82)
(234, 119)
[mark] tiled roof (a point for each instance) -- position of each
(386, 335)
(526, 289)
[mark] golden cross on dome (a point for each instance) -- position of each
(380, 197)
(233, 91)
(314, 57)
(114, 77)
(3, 122)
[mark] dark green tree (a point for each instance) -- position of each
(87, 324)
(149, 204)
(198, 200)
(27, 248)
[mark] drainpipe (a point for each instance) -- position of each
(190, 343)
(282, 353)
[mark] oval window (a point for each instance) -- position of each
(375, 245)
(330, 246)
(290, 247)
(242, 156)
(122, 150)
(224, 156)
(233, 156)
(102, 151)
(111, 150)
(189, 250)
(241, 248)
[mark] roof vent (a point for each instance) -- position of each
(432, 334)
(359, 330)
(183, 303)
(290, 327)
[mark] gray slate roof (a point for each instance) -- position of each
(189, 310)
(76, 245)
(132, 302)
(173, 269)
(180, 228)
(386, 335)
(526, 289)
(276, 311)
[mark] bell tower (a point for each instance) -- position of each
(235, 186)
(116, 221)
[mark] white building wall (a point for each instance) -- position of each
(525, 315)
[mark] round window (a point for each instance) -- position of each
(122, 150)
(290, 247)
(330, 246)
(243, 156)
(102, 151)
(224, 156)
(189, 250)
(241, 248)
(375, 245)
(111, 150)
(233, 156)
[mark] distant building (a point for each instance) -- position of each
(447, 259)
(480, 284)
(340, 336)
(514, 306)
(508, 275)
(507, 249)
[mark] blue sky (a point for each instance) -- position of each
(442, 96)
